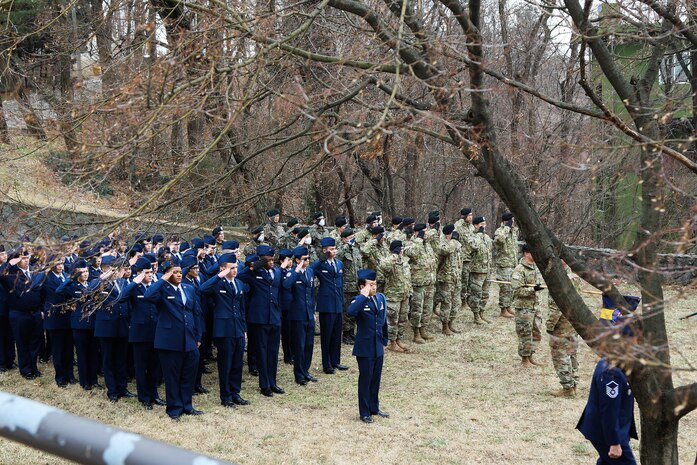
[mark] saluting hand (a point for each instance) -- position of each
(168, 275)
(139, 277)
(223, 273)
(365, 290)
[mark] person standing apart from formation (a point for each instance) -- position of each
(525, 281)
(369, 308)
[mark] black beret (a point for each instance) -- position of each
(478, 219)
(455, 235)
(296, 230)
(507, 216)
(395, 245)
(317, 215)
(217, 230)
(303, 232)
(419, 226)
(465, 211)
(377, 230)
(407, 221)
(347, 232)
(273, 212)
(433, 219)
(292, 222)
(448, 229)
(396, 220)
(258, 230)
(158, 238)
(376, 214)
(371, 218)
(434, 213)
(340, 221)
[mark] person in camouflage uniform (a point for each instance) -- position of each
(395, 233)
(305, 240)
(364, 235)
(273, 231)
(318, 231)
(465, 230)
(289, 239)
(506, 244)
(340, 224)
(448, 275)
(423, 263)
(257, 239)
(525, 281)
(350, 256)
(480, 268)
(396, 274)
(563, 343)
(374, 250)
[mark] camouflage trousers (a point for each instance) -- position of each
(478, 292)
(448, 295)
(349, 323)
(397, 315)
(421, 305)
(505, 290)
(527, 327)
(464, 292)
(564, 359)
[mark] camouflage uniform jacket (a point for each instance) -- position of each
(450, 265)
(251, 247)
(481, 258)
(467, 233)
(273, 232)
(363, 236)
(372, 252)
(350, 256)
(318, 233)
(557, 324)
(287, 241)
(523, 278)
(395, 273)
(395, 235)
(423, 262)
(506, 242)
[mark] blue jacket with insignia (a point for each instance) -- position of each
(371, 325)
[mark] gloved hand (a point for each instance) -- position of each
(509, 223)
(323, 257)
(481, 229)
(538, 287)
(258, 265)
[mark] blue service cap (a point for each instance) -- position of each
(285, 253)
(167, 265)
(327, 242)
(143, 264)
(227, 258)
(251, 258)
(150, 257)
(231, 245)
(196, 243)
(137, 248)
(184, 246)
(188, 261)
(300, 252)
(265, 251)
(190, 252)
(158, 238)
(367, 274)
(81, 263)
(108, 259)
(208, 240)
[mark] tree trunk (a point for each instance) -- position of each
(659, 437)
(412, 191)
(4, 133)
(34, 124)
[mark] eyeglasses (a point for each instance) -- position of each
(305, 259)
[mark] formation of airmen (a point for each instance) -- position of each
(153, 307)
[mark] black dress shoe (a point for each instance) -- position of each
(341, 367)
(380, 413)
(207, 370)
(87, 388)
(228, 404)
(30, 376)
(239, 401)
(159, 401)
(193, 412)
(201, 390)
(113, 399)
(330, 371)
(311, 378)
(62, 384)
(302, 382)
(267, 392)
(147, 405)
(72, 381)
(97, 386)
(277, 390)
(176, 418)
(288, 362)
(367, 419)
(127, 394)
(254, 372)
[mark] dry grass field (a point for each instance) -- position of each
(460, 400)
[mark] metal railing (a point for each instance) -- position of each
(86, 441)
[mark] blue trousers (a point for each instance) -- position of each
(147, 371)
(7, 343)
(302, 336)
(230, 355)
(369, 375)
(627, 457)
(330, 339)
(179, 369)
(114, 353)
(27, 329)
(87, 348)
(267, 339)
(286, 343)
(62, 354)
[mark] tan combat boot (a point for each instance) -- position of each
(427, 337)
(510, 312)
(453, 328)
(477, 320)
(484, 319)
(535, 362)
(525, 362)
(402, 345)
(565, 392)
(505, 313)
(417, 337)
(436, 310)
(394, 347)
(446, 330)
